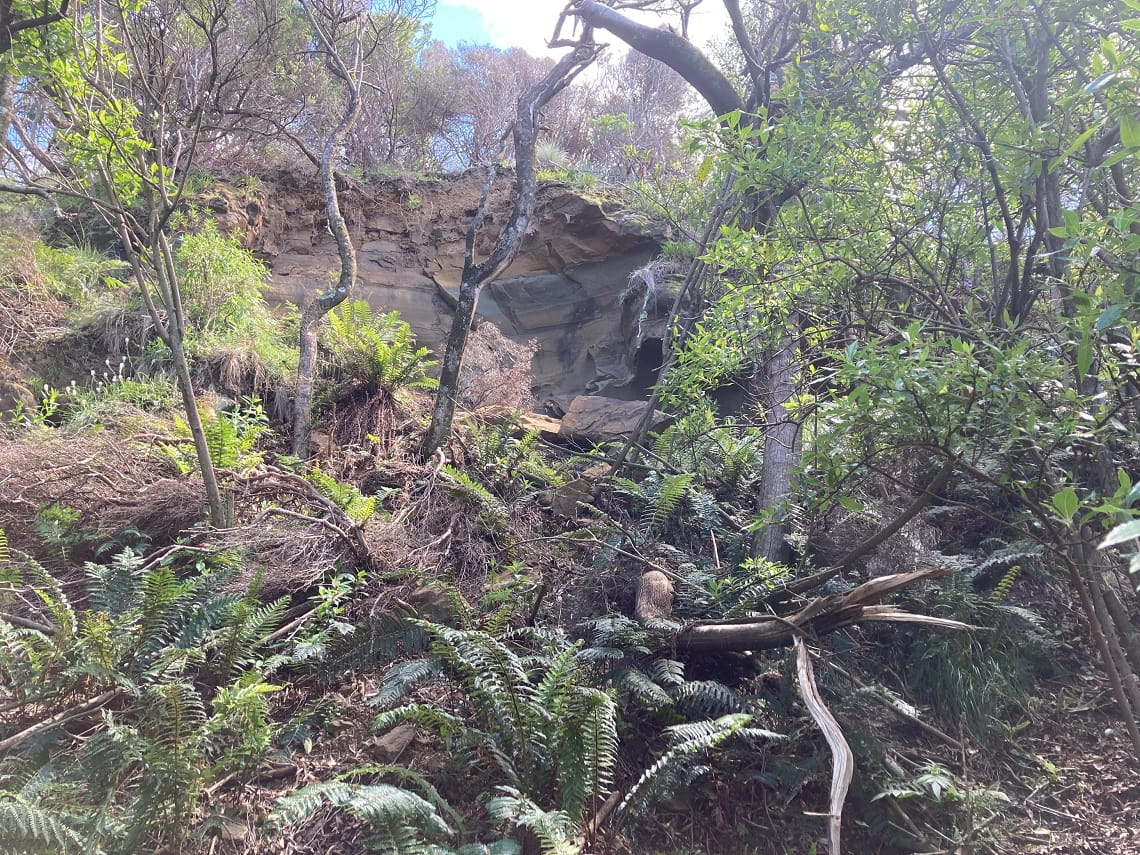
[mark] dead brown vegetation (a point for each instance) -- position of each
(114, 485)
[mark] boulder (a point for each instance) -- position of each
(566, 498)
(593, 418)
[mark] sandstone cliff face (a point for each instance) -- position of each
(564, 289)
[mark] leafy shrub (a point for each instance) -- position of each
(222, 283)
(232, 437)
(376, 351)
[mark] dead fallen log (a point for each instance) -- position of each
(817, 617)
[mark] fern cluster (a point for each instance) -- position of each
(688, 756)
(469, 488)
(716, 450)
(552, 737)
(659, 496)
(165, 671)
(356, 506)
(232, 436)
(407, 818)
(513, 460)
(377, 351)
(978, 676)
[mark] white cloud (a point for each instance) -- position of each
(529, 24)
(522, 23)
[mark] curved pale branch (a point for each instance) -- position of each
(667, 47)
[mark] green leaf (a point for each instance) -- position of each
(1066, 503)
(1121, 533)
(851, 504)
(1084, 355)
(1109, 317)
(1077, 143)
(703, 171)
(1130, 130)
(1114, 159)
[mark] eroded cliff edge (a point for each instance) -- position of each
(564, 290)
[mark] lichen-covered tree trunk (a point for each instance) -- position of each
(476, 275)
(349, 72)
(781, 450)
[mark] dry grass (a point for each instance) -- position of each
(114, 485)
(27, 307)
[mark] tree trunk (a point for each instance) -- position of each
(218, 516)
(781, 450)
(325, 302)
(7, 91)
(475, 276)
(451, 367)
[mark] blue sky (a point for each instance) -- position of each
(503, 23)
(454, 24)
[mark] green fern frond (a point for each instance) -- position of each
(469, 487)
(174, 714)
(709, 698)
(498, 620)
(26, 829)
(667, 672)
(642, 687)
(555, 690)
(299, 806)
(499, 847)
(376, 641)
(204, 618)
(421, 715)
(356, 506)
(629, 487)
(381, 803)
(399, 817)
(116, 587)
(56, 603)
(599, 655)
(677, 766)
(235, 645)
(587, 751)
(1009, 554)
(494, 680)
(555, 829)
(1005, 585)
(669, 496)
(419, 783)
(403, 677)
(618, 631)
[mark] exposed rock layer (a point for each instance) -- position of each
(564, 289)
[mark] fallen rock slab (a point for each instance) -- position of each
(593, 418)
(546, 427)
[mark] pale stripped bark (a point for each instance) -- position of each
(844, 761)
